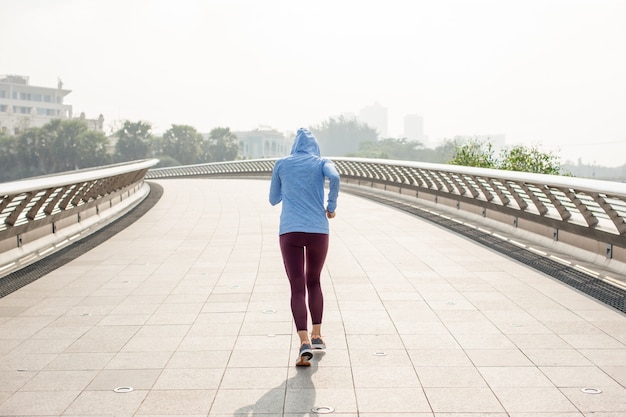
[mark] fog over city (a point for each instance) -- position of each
(550, 73)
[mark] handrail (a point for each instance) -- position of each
(585, 207)
(65, 178)
(25, 202)
(42, 215)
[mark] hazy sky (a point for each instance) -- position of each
(544, 72)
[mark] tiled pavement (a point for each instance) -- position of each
(189, 307)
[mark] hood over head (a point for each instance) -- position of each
(305, 142)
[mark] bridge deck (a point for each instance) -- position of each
(189, 307)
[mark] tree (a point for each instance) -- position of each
(474, 153)
(60, 145)
(390, 148)
(31, 153)
(441, 154)
(182, 143)
(93, 150)
(530, 159)
(8, 158)
(133, 142)
(66, 145)
(221, 145)
(341, 136)
(477, 153)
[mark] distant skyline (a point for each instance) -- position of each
(550, 73)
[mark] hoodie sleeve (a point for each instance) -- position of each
(275, 186)
(331, 173)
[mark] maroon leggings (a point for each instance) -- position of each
(304, 255)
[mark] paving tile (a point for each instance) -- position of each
(13, 380)
(189, 379)
(200, 359)
(463, 400)
(248, 402)
(533, 399)
(58, 332)
(176, 402)
(392, 400)
(571, 414)
(253, 378)
(60, 381)
(320, 377)
(172, 318)
(616, 372)
(374, 341)
(151, 344)
(484, 341)
(538, 341)
(430, 341)
(481, 327)
(498, 357)
(578, 376)
(273, 358)
(303, 400)
(275, 342)
(139, 360)
(450, 377)
(514, 376)
(556, 357)
(467, 316)
(484, 414)
(386, 358)
(44, 346)
(207, 343)
(4, 395)
(420, 327)
(384, 377)
(439, 357)
(110, 379)
(605, 357)
(252, 328)
(38, 403)
(124, 404)
(80, 361)
(125, 320)
(8, 345)
(611, 399)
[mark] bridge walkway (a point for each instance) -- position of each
(186, 312)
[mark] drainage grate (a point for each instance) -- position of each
(586, 283)
(16, 280)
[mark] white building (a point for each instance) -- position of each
(93, 124)
(262, 143)
(23, 105)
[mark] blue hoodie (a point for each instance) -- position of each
(298, 181)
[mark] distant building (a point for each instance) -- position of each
(93, 124)
(375, 116)
(23, 105)
(414, 128)
(262, 143)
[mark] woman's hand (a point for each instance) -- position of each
(330, 214)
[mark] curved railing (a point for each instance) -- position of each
(250, 167)
(39, 215)
(565, 209)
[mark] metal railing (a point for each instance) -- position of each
(251, 167)
(576, 207)
(38, 213)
